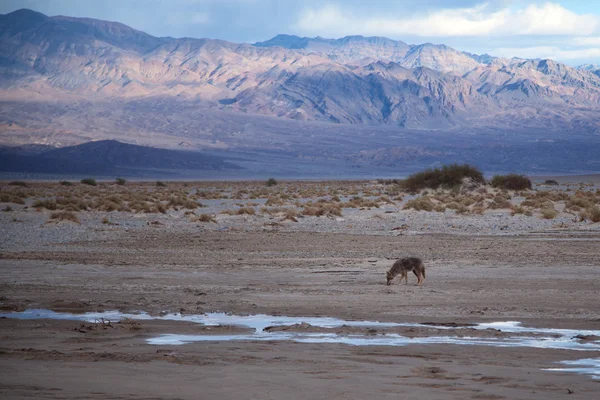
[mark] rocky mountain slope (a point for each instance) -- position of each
(352, 80)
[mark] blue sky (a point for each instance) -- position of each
(567, 30)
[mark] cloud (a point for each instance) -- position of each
(586, 41)
(480, 20)
(553, 19)
(551, 52)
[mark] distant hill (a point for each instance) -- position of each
(109, 157)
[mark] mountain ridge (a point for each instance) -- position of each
(351, 80)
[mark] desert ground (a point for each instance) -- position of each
(296, 249)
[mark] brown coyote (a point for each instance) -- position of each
(403, 266)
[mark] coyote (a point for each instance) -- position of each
(403, 266)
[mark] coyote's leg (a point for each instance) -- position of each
(418, 275)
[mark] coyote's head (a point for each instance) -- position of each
(390, 277)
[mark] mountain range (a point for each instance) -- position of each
(67, 80)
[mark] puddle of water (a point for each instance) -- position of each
(544, 338)
(587, 366)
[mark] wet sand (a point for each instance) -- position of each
(548, 279)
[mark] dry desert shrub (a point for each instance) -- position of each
(359, 202)
(109, 206)
(322, 210)
(581, 199)
(535, 203)
(47, 204)
(518, 210)
(592, 214)
(71, 204)
(385, 200)
(462, 209)
(246, 211)
(393, 191)
(291, 215)
(206, 218)
(478, 209)
(184, 203)
(11, 198)
(422, 203)
(64, 216)
(552, 195)
(500, 203)
(211, 195)
(549, 213)
(274, 201)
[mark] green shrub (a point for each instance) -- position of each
(448, 176)
(271, 182)
(89, 181)
(18, 183)
(550, 182)
(66, 183)
(160, 184)
(511, 182)
(120, 181)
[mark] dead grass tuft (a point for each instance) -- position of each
(422, 203)
(64, 216)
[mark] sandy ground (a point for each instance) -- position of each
(544, 278)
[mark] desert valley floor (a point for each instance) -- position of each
(482, 267)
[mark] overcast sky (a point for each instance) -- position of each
(564, 30)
